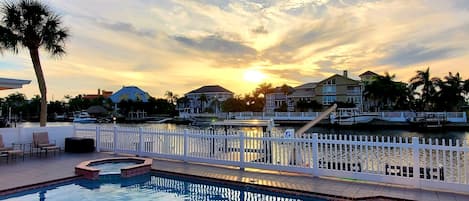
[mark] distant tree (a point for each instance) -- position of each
(263, 89)
(183, 102)
(31, 24)
(385, 93)
(306, 106)
(171, 97)
(426, 88)
(449, 96)
(233, 105)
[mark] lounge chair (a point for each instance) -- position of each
(41, 142)
(9, 152)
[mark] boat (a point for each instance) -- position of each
(351, 116)
(83, 117)
(428, 120)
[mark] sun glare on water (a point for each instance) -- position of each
(254, 76)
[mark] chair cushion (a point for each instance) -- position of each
(40, 138)
(50, 148)
(46, 145)
(5, 148)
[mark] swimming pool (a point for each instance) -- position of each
(154, 186)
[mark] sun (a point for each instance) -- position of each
(255, 76)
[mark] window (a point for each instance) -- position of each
(330, 82)
(329, 89)
(327, 100)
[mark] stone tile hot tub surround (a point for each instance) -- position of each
(87, 170)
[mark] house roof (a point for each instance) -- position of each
(302, 93)
(210, 89)
(130, 93)
(309, 85)
(279, 90)
(7, 83)
(368, 73)
(337, 75)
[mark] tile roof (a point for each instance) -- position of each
(130, 93)
(209, 89)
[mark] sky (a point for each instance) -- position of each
(181, 45)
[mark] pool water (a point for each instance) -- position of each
(112, 167)
(148, 187)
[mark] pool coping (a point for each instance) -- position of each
(271, 188)
(38, 185)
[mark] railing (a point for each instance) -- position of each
(418, 162)
(454, 117)
(304, 116)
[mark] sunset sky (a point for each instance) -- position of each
(180, 45)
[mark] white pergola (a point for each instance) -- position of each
(6, 83)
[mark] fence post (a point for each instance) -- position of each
(98, 138)
(74, 131)
(416, 159)
(140, 141)
(315, 146)
(115, 140)
(186, 144)
(241, 150)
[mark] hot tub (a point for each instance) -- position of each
(125, 166)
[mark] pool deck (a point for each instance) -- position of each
(38, 170)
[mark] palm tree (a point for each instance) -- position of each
(171, 97)
(427, 84)
(450, 95)
(31, 24)
(386, 93)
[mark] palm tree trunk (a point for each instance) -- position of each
(42, 85)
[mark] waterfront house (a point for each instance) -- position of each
(131, 93)
(339, 88)
(101, 93)
(205, 99)
(368, 76)
(301, 94)
(276, 99)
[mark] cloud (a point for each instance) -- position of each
(224, 52)
(128, 28)
(260, 30)
(414, 54)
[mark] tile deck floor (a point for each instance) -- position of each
(36, 170)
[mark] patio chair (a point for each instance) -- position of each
(9, 152)
(41, 142)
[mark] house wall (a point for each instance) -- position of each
(274, 101)
(338, 89)
(196, 106)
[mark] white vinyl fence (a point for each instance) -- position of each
(418, 162)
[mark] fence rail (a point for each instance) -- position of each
(454, 117)
(418, 162)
